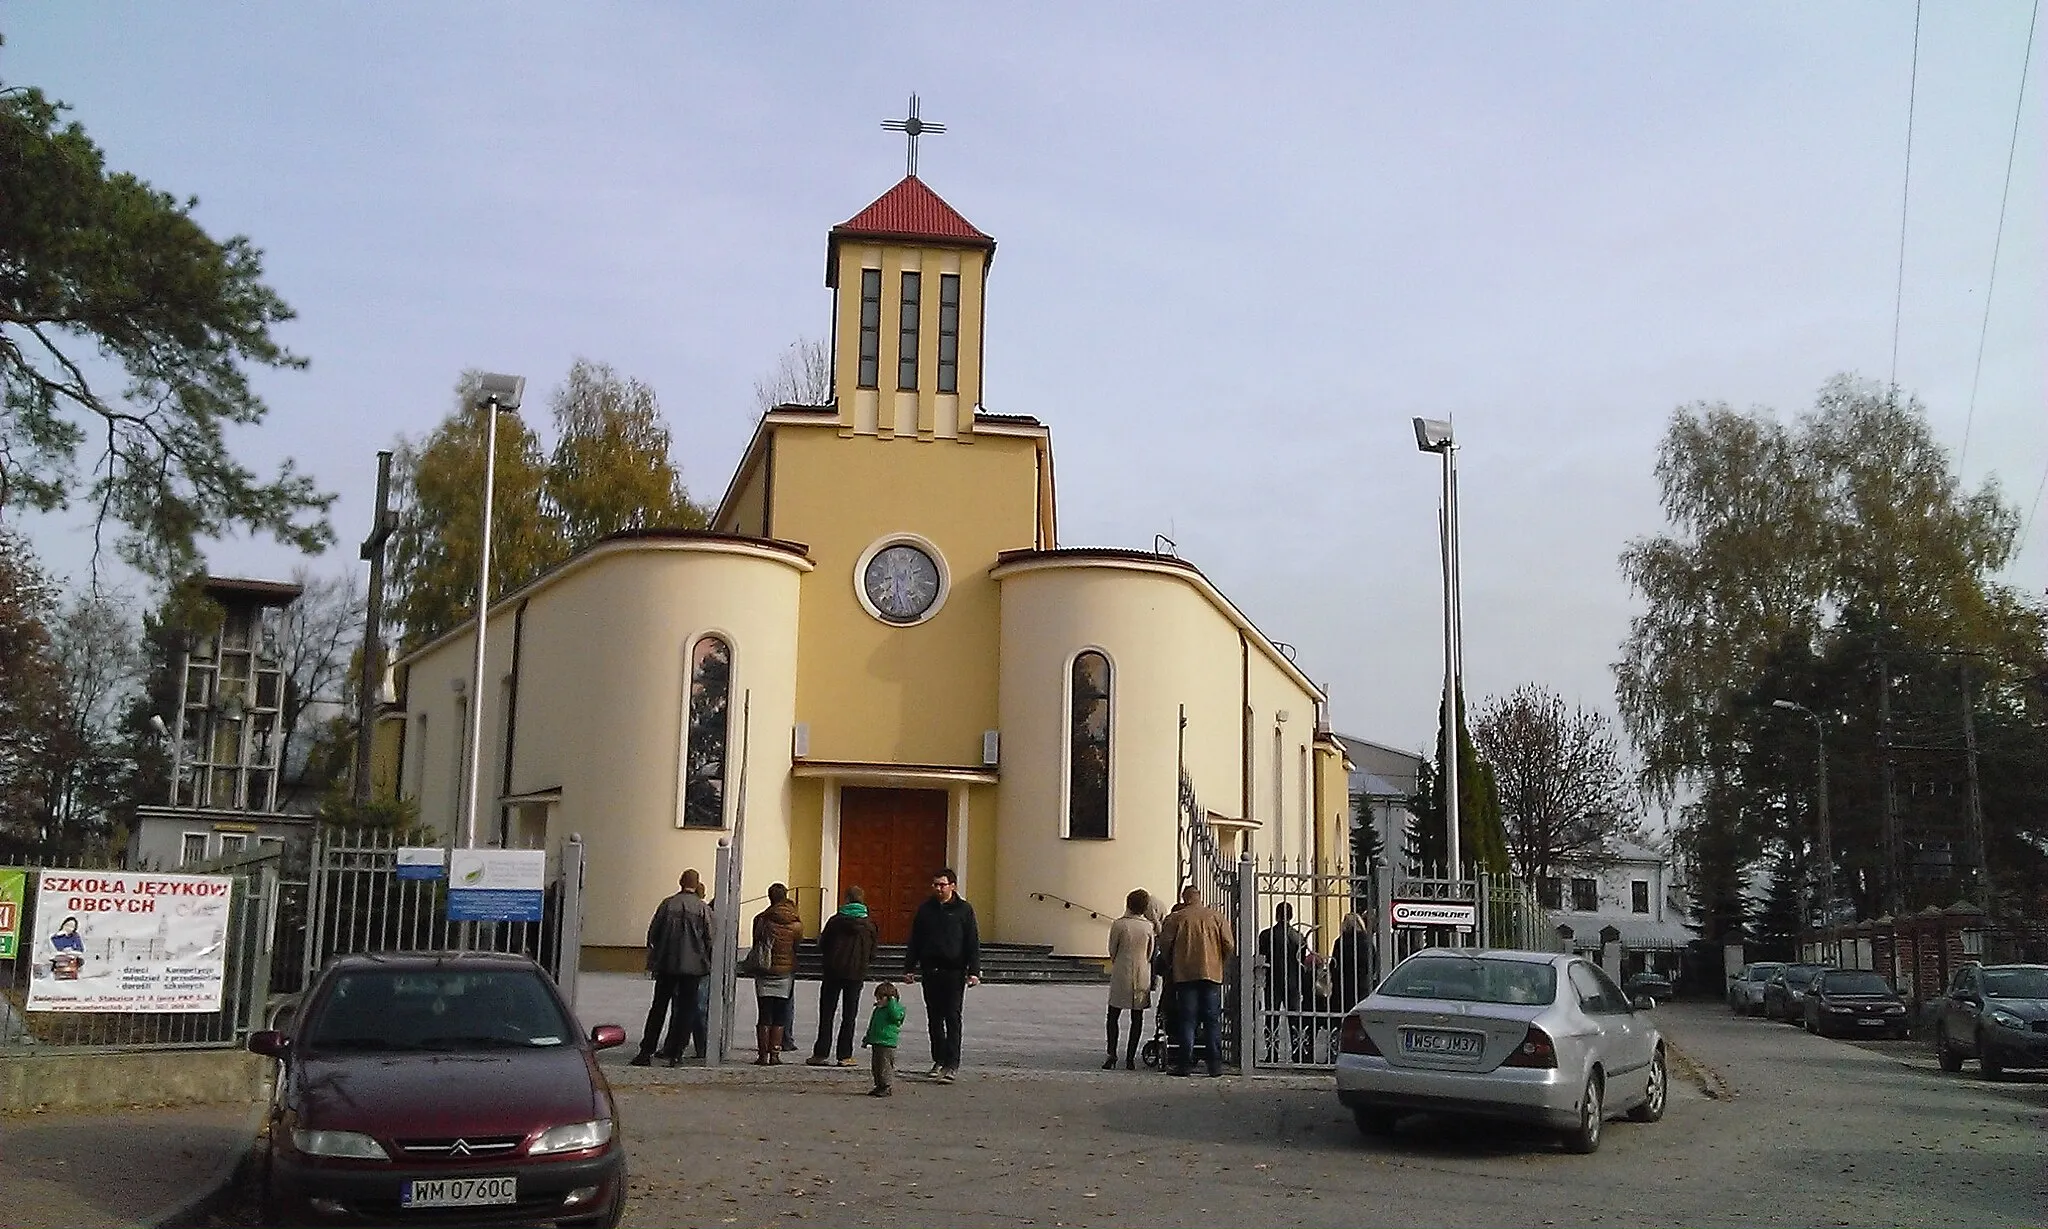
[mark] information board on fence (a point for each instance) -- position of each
(129, 941)
(1436, 913)
(496, 885)
(11, 898)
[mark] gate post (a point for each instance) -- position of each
(569, 926)
(1383, 916)
(1250, 1020)
(261, 933)
(725, 922)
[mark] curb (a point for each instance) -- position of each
(215, 1189)
(1711, 1083)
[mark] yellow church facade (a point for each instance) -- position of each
(880, 660)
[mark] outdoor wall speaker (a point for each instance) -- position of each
(991, 747)
(800, 740)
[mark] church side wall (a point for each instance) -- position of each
(1169, 647)
(601, 717)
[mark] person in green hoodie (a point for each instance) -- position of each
(846, 946)
(885, 1028)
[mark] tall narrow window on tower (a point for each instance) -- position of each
(707, 724)
(870, 327)
(906, 337)
(1088, 748)
(949, 332)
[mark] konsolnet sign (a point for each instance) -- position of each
(1436, 913)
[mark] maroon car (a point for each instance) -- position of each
(441, 1088)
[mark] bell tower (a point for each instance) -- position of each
(908, 275)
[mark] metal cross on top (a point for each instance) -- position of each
(914, 128)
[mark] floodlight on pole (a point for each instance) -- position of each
(1434, 435)
(494, 394)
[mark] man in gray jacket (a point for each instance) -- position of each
(679, 957)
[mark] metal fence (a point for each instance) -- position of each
(1315, 940)
(356, 902)
(245, 989)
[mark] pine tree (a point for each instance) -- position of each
(1482, 843)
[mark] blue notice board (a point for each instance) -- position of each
(496, 885)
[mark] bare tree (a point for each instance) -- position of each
(319, 636)
(802, 376)
(1564, 789)
(98, 645)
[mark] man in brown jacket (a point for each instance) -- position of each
(1199, 944)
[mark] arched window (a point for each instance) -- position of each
(1088, 749)
(704, 747)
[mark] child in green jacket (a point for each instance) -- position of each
(883, 1030)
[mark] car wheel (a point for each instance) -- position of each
(1945, 1054)
(1652, 1107)
(1374, 1123)
(1990, 1066)
(1585, 1138)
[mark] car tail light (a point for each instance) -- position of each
(1535, 1051)
(1355, 1040)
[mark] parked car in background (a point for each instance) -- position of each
(1996, 1014)
(1537, 1037)
(440, 1088)
(1855, 1003)
(1746, 988)
(1653, 986)
(1785, 993)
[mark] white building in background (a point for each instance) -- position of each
(1640, 896)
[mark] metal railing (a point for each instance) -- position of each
(1054, 898)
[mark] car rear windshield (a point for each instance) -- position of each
(1801, 975)
(1473, 981)
(1856, 983)
(1763, 972)
(2016, 983)
(436, 1009)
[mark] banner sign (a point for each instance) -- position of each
(12, 883)
(1436, 913)
(496, 885)
(128, 941)
(422, 862)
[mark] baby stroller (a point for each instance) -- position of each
(1162, 1053)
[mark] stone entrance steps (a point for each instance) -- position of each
(1000, 963)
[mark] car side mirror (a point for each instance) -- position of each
(1643, 1002)
(607, 1037)
(270, 1043)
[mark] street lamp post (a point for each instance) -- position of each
(1434, 435)
(495, 394)
(1823, 837)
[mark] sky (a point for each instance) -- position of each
(1240, 248)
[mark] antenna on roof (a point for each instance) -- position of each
(913, 128)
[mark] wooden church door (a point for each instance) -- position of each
(890, 842)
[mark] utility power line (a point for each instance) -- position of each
(1984, 330)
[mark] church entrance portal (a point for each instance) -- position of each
(890, 842)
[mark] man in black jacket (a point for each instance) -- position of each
(945, 949)
(678, 958)
(845, 947)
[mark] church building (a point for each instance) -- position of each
(879, 660)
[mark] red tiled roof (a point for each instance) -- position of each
(912, 211)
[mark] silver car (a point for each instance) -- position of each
(1528, 1036)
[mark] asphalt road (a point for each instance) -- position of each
(1766, 1126)
(1799, 1131)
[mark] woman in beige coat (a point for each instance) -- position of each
(1131, 940)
